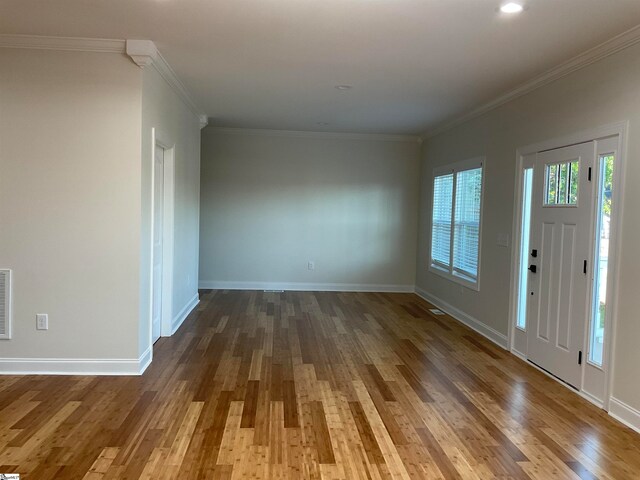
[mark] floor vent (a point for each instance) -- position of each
(435, 311)
(5, 304)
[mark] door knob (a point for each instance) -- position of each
(532, 268)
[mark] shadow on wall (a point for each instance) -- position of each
(354, 232)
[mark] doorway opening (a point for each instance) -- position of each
(162, 238)
(158, 240)
(563, 293)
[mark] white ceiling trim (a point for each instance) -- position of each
(611, 46)
(316, 135)
(103, 45)
(142, 52)
(169, 76)
(145, 53)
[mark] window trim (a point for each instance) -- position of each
(449, 273)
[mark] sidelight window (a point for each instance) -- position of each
(601, 264)
(527, 194)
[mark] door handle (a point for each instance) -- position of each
(533, 268)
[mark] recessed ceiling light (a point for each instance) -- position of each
(344, 87)
(511, 7)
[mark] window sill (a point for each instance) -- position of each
(455, 277)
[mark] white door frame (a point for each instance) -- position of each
(619, 129)
(157, 138)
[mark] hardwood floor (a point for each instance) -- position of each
(313, 386)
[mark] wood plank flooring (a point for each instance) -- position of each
(313, 386)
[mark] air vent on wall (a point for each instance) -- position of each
(5, 304)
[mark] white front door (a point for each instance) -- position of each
(559, 259)
(158, 215)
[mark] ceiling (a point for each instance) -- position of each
(413, 64)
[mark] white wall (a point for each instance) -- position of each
(603, 93)
(75, 205)
(272, 201)
(177, 126)
(70, 202)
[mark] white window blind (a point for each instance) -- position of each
(467, 222)
(441, 231)
(455, 228)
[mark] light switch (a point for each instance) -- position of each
(503, 239)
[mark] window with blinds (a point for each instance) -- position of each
(455, 228)
(441, 229)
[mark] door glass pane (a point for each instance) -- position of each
(562, 184)
(573, 184)
(552, 184)
(605, 190)
(441, 223)
(527, 189)
(563, 178)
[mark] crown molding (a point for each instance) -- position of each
(102, 45)
(169, 76)
(314, 134)
(142, 52)
(145, 53)
(605, 49)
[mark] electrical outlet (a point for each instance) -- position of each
(311, 265)
(42, 321)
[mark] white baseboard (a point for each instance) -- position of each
(145, 360)
(184, 313)
(75, 366)
(625, 413)
(306, 287)
(471, 322)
